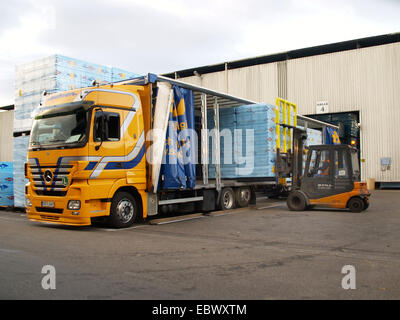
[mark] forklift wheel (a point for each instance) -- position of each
(356, 204)
(296, 201)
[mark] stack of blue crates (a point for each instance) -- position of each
(254, 154)
(314, 137)
(6, 184)
(20, 152)
(227, 121)
(261, 119)
(52, 74)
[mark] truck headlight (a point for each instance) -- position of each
(74, 205)
(28, 203)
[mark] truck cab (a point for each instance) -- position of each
(86, 155)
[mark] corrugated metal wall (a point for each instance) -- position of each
(6, 136)
(365, 80)
(258, 83)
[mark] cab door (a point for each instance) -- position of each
(107, 145)
(318, 176)
(135, 149)
(343, 177)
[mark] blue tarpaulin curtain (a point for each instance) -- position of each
(331, 136)
(179, 166)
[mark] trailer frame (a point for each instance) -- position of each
(207, 99)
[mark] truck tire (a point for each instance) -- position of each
(124, 210)
(296, 201)
(227, 199)
(243, 196)
(356, 204)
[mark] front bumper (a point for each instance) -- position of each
(60, 214)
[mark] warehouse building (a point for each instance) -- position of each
(6, 133)
(354, 84)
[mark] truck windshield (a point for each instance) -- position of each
(65, 126)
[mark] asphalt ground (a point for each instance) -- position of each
(262, 252)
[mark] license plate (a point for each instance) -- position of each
(48, 204)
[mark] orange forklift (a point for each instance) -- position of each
(331, 176)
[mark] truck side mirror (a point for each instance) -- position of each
(100, 128)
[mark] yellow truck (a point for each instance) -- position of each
(97, 153)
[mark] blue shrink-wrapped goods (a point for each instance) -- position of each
(314, 137)
(258, 145)
(20, 151)
(252, 142)
(121, 75)
(6, 184)
(227, 122)
(54, 74)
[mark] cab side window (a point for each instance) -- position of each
(106, 126)
(112, 127)
(341, 165)
(319, 164)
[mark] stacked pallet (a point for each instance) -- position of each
(314, 137)
(262, 144)
(227, 121)
(54, 74)
(20, 151)
(6, 184)
(253, 141)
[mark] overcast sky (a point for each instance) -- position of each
(162, 36)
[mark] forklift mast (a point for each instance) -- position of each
(289, 164)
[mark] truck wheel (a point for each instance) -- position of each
(243, 196)
(296, 201)
(227, 199)
(124, 210)
(356, 204)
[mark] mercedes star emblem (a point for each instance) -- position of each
(48, 176)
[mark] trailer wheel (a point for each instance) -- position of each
(356, 204)
(124, 210)
(243, 196)
(296, 201)
(227, 199)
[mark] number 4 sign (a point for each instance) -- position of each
(322, 107)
